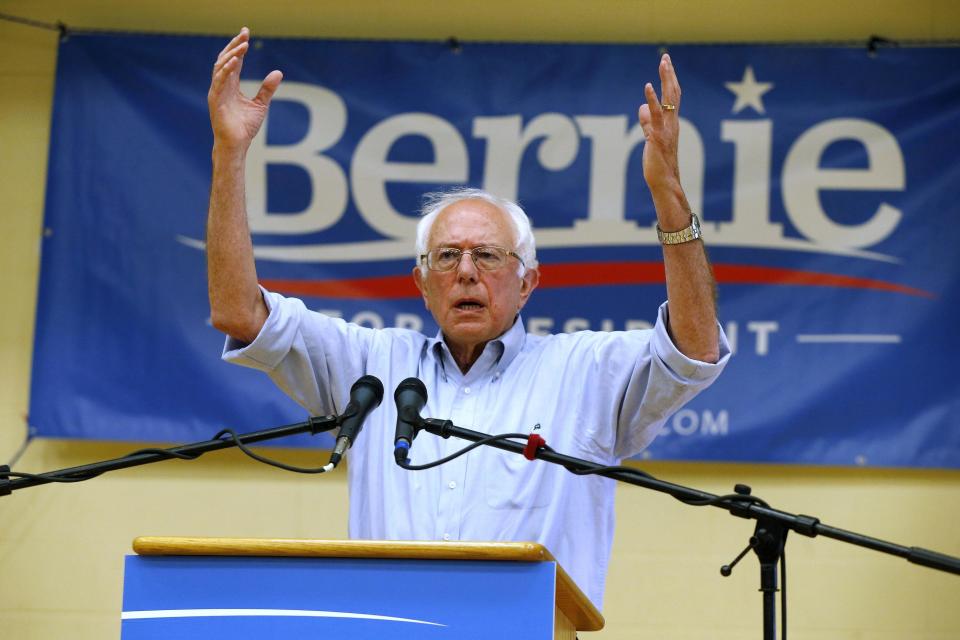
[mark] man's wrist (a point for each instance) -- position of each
(670, 202)
(228, 157)
(223, 149)
(687, 234)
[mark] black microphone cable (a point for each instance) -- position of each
(436, 463)
(365, 395)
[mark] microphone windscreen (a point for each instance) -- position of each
(369, 384)
(411, 384)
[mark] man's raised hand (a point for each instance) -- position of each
(235, 118)
(660, 121)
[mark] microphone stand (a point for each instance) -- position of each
(770, 533)
(314, 426)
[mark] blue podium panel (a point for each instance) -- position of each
(243, 598)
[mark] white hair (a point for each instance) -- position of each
(434, 203)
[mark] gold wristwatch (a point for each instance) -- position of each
(684, 235)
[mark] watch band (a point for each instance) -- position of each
(684, 235)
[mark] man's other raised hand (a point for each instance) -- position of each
(235, 118)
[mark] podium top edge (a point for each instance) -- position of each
(286, 547)
(570, 598)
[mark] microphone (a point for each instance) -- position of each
(365, 396)
(410, 397)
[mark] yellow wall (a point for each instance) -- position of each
(61, 547)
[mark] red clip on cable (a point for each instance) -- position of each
(534, 442)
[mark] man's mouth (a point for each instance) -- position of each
(468, 305)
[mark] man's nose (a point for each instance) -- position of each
(467, 269)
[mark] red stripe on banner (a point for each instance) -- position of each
(585, 274)
(746, 274)
(382, 288)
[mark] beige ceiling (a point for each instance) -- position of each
(667, 21)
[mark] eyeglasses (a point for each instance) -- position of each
(485, 258)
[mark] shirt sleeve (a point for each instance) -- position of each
(660, 382)
(312, 357)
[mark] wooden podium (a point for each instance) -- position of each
(279, 588)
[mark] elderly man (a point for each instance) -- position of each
(600, 396)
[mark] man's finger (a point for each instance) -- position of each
(656, 113)
(669, 86)
(220, 77)
(644, 114)
(268, 87)
(237, 52)
(243, 35)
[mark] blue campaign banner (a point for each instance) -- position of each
(826, 180)
(259, 597)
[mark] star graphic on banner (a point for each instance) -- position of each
(749, 92)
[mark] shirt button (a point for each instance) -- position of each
(446, 536)
(452, 484)
(466, 390)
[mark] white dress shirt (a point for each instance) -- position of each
(601, 396)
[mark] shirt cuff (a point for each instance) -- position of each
(680, 364)
(275, 337)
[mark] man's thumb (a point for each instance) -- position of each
(268, 87)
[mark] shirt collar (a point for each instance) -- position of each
(498, 353)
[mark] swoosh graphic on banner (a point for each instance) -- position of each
(278, 613)
(547, 238)
(591, 274)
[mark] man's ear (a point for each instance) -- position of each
(418, 279)
(529, 282)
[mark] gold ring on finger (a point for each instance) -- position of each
(666, 106)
